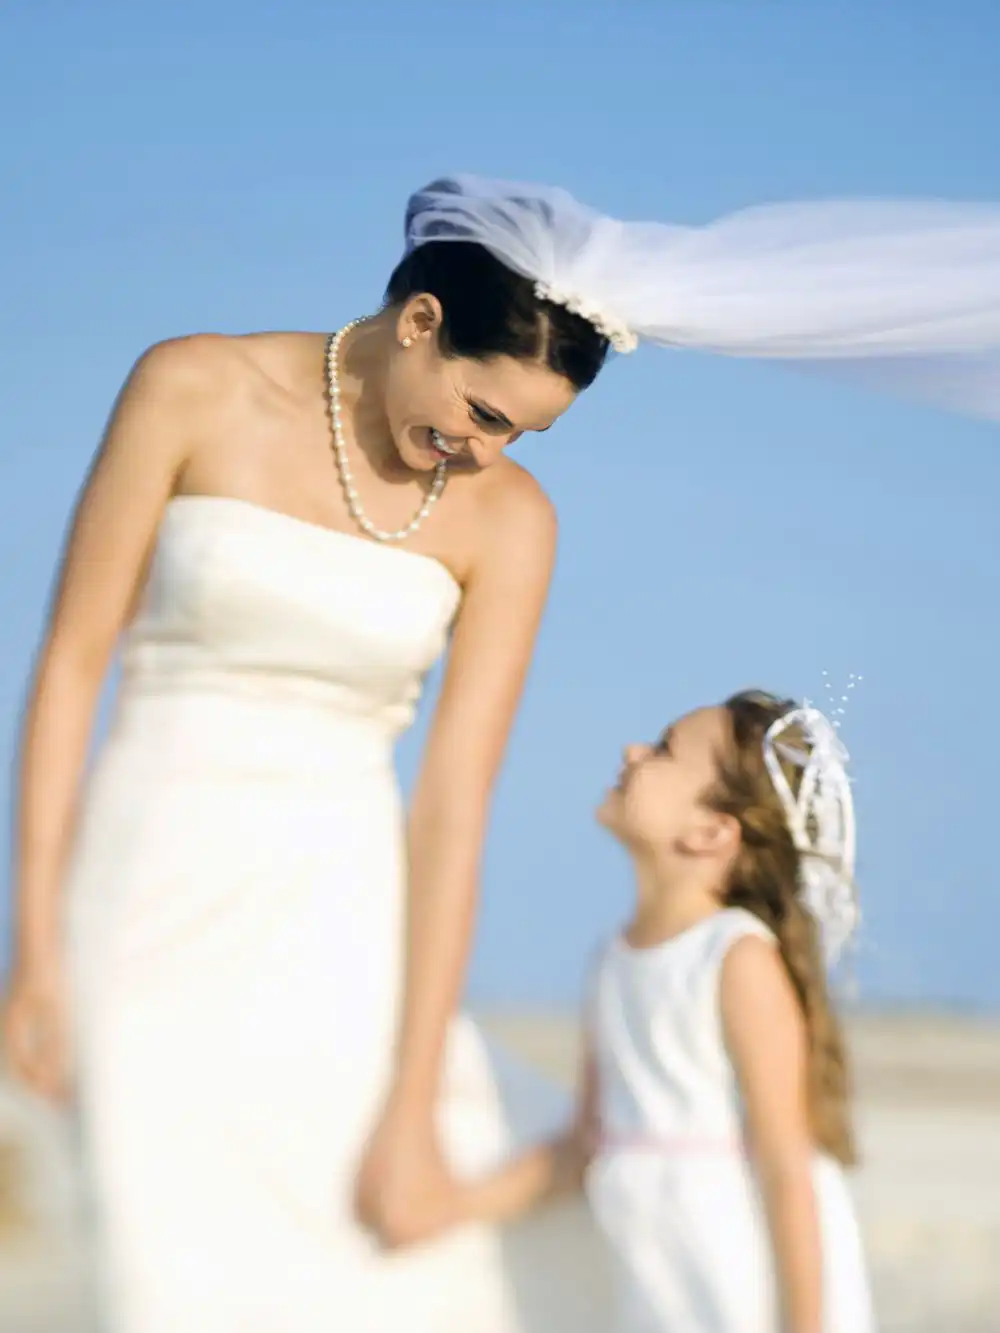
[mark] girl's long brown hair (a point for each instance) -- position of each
(765, 881)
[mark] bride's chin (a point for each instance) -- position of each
(410, 456)
(416, 450)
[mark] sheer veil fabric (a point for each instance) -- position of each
(903, 295)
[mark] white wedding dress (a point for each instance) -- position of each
(235, 905)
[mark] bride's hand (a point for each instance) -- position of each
(405, 1192)
(34, 1032)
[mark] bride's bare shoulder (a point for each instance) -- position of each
(220, 361)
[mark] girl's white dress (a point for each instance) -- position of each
(672, 1186)
(235, 923)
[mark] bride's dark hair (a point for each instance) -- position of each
(489, 310)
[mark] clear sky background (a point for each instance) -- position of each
(228, 167)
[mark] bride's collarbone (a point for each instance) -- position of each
(282, 462)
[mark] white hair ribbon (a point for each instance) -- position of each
(820, 817)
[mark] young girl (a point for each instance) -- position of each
(713, 1123)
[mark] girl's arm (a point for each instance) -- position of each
(766, 1034)
(545, 1172)
(490, 653)
(535, 1177)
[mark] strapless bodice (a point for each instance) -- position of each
(247, 602)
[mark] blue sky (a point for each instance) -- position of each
(234, 167)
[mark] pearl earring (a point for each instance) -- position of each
(407, 342)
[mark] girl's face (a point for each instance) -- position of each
(469, 411)
(658, 801)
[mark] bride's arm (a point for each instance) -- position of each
(490, 653)
(108, 544)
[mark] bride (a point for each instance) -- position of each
(232, 946)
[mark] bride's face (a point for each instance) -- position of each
(452, 407)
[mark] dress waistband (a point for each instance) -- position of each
(674, 1145)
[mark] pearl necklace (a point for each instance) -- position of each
(343, 462)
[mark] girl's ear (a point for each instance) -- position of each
(714, 834)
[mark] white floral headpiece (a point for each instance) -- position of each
(820, 817)
(618, 333)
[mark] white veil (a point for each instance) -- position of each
(904, 294)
